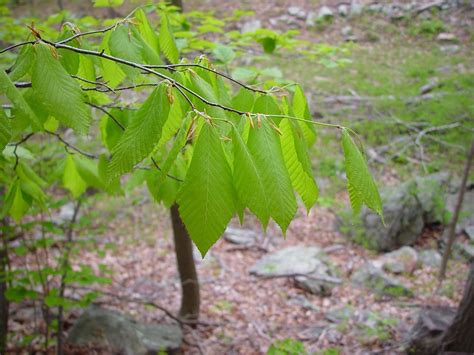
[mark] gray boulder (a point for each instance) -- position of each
(113, 332)
(297, 12)
(466, 251)
(469, 230)
(425, 336)
(240, 236)
(306, 265)
(325, 13)
(251, 26)
(296, 260)
(373, 278)
(343, 10)
(407, 208)
(430, 258)
(403, 260)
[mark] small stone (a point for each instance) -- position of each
(298, 260)
(319, 283)
(240, 236)
(373, 278)
(403, 260)
(297, 12)
(469, 230)
(446, 37)
(451, 48)
(311, 19)
(430, 258)
(339, 315)
(343, 10)
(466, 250)
(356, 8)
(346, 31)
(251, 26)
(303, 302)
(375, 7)
(113, 332)
(325, 13)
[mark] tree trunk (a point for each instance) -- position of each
(4, 305)
(460, 335)
(190, 299)
(454, 220)
(178, 3)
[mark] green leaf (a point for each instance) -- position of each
(21, 106)
(142, 134)
(207, 198)
(297, 162)
(178, 144)
(243, 100)
(301, 110)
(23, 63)
(361, 185)
(148, 34)
(268, 44)
(249, 181)
(123, 44)
(167, 42)
(72, 180)
(264, 145)
(223, 54)
(60, 94)
(5, 130)
(112, 72)
(18, 204)
(69, 59)
(107, 3)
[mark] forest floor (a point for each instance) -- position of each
(132, 237)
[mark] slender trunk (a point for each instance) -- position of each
(4, 305)
(190, 299)
(454, 220)
(459, 337)
(64, 268)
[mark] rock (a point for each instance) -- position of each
(338, 315)
(451, 48)
(240, 236)
(303, 302)
(346, 31)
(466, 250)
(290, 261)
(406, 208)
(403, 220)
(375, 7)
(304, 264)
(356, 8)
(325, 13)
(424, 337)
(373, 278)
(430, 258)
(446, 37)
(343, 10)
(466, 216)
(297, 12)
(115, 333)
(433, 83)
(469, 230)
(251, 26)
(311, 19)
(403, 260)
(319, 283)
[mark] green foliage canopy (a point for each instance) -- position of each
(212, 144)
